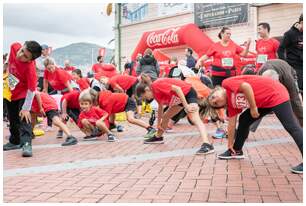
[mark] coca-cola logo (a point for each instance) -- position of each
(169, 36)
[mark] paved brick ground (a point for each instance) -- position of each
(129, 171)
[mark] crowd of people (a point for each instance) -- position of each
(187, 87)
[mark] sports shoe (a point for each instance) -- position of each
(205, 149)
(112, 126)
(119, 128)
(49, 129)
(220, 133)
(70, 140)
(111, 137)
(228, 154)
(27, 150)
(297, 169)
(154, 140)
(151, 132)
(10, 146)
(60, 134)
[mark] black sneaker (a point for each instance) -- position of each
(154, 140)
(70, 140)
(205, 149)
(112, 126)
(111, 137)
(10, 146)
(228, 154)
(119, 128)
(27, 150)
(297, 169)
(60, 134)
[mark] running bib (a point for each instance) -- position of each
(227, 62)
(175, 101)
(12, 81)
(239, 101)
(262, 58)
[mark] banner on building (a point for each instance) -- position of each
(173, 8)
(217, 15)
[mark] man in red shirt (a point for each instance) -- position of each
(266, 47)
(22, 83)
(259, 96)
(67, 66)
(101, 69)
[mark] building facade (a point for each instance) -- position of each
(132, 20)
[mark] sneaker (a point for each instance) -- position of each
(89, 137)
(220, 133)
(60, 134)
(119, 128)
(48, 129)
(10, 146)
(228, 154)
(70, 140)
(151, 132)
(205, 149)
(112, 126)
(154, 140)
(27, 150)
(111, 137)
(297, 169)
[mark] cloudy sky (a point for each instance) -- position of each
(57, 24)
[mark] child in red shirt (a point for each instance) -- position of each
(22, 82)
(45, 105)
(70, 106)
(93, 120)
(259, 96)
(78, 78)
(176, 94)
(114, 103)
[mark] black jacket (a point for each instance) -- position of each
(291, 48)
(148, 65)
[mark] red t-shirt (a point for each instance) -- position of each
(124, 81)
(224, 57)
(69, 68)
(48, 103)
(58, 78)
(22, 72)
(162, 90)
(93, 115)
(83, 83)
(267, 92)
(107, 70)
(72, 99)
(266, 49)
(112, 103)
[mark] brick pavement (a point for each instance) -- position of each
(129, 171)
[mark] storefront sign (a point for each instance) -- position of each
(217, 15)
(172, 8)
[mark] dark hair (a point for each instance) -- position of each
(99, 57)
(33, 47)
(140, 89)
(222, 31)
(265, 26)
(78, 72)
(190, 51)
(301, 18)
(248, 69)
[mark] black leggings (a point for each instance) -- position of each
(285, 115)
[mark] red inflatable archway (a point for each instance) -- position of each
(188, 34)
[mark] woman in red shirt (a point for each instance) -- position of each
(45, 105)
(259, 96)
(114, 103)
(176, 94)
(224, 53)
(59, 79)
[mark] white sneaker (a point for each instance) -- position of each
(49, 129)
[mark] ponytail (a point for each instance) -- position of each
(205, 110)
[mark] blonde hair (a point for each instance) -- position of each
(85, 97)
(49, 61)
(90, 95)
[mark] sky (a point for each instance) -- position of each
(57, 25)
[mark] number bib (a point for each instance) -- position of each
(227, 62)
(262, 58)
(12, 81)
